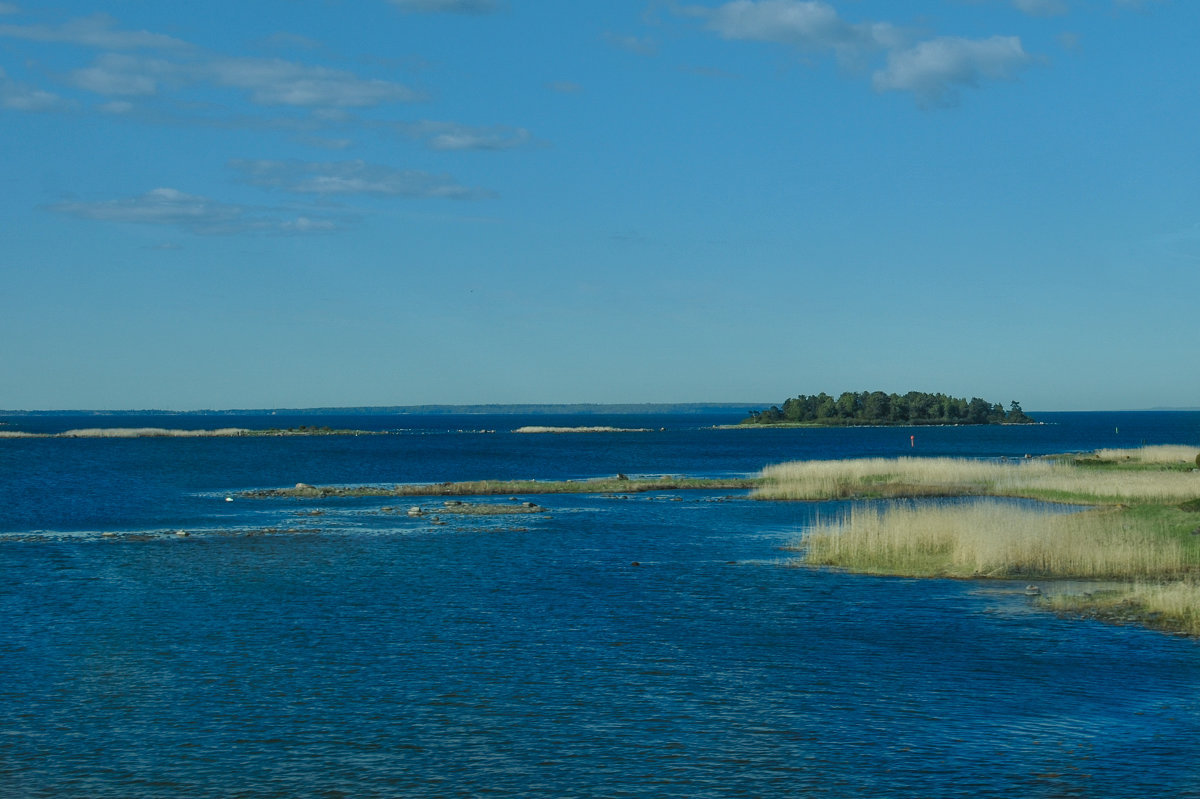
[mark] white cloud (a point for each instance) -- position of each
(351, 177)
(278, 82)
(807, 24)
(269, 81)
(452, 136)
(18, 97)
(97, 31)
(116, 107)
(934, 70)
(193, 213)
(124, 75)
(447, 6)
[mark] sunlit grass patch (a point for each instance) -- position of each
(1162, 455)
(1050, 479)
(1167, 605)
(1001, 539)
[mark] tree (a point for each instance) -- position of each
(877, 407)
(977, 411)
(847, 405)
(1016, 415)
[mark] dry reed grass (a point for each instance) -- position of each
(998, 539)
(1039, 479)
(1163, 455)
(1172, 605)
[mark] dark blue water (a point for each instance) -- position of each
(366, 653)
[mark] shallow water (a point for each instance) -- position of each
(655, 645)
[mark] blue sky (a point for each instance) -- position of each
(297, 203)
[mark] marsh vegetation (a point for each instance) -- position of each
(1136, 521)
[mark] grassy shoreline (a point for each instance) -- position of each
(1126, 516)
(1137, 523)
(162, 432)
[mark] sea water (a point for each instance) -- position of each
(657, 644)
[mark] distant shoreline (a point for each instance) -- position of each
(160, 432)
(584, 429)
(582, 408)
(823, 425)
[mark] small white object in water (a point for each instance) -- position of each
(229, 499)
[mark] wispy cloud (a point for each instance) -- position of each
(809, 25)
(195, 214)
(17, 96)
(447, 6)
(278, 82)
(267, 81)
(349, 178)
(935, 70)
(641, 45)
(120, 71)
(453, 136)
(98, 30)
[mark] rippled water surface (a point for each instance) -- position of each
(649, 645)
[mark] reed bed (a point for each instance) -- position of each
(1056, 480)
(1158, 455)
(1171, 606)
(992, 538)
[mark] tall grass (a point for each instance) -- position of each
(1040, 479)
(1162, 454)
(1172, 606)
(999, 539)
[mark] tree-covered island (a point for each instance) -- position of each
(878, 408)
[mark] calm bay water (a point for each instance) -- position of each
(655, 645)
